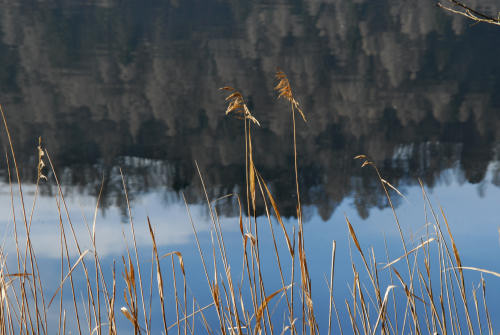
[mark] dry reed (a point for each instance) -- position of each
(428, 296)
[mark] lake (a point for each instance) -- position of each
(126, 93)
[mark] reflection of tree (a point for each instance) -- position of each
(328, 172)
(101, 83)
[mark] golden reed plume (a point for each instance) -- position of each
(237, 105)
(285, 91)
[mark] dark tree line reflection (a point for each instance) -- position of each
(89, 153)
(112, 84)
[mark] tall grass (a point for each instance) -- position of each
(422, 291)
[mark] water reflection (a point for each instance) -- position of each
(130, 85)
(462, 204)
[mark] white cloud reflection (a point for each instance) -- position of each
(470, 209)
(170, 222)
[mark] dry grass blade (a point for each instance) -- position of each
(353, 236)
(334, 247)
(453, 244)
(159, 277)
(306, 286)
(111, 311)
(352, 318)
(365, 159)
(130, 292)
(476, 306)
(69, 274)
(462, 279)
(191, 315)
(496, 274)
(16, 275)
(129, 316)
(179, 257)
(251, 237)
(262, 307)
(394, 188)
(406, 289)
(251, 170)
(278, 216)
(382, 309)
(409, 252)
(130, 275)
(486, 312)
(136, 252)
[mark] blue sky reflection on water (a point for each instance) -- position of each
(472, 217)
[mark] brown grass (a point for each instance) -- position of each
(426, 296)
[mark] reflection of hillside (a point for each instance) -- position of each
(328, 172)
(110, 80)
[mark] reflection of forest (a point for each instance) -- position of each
(400, 81)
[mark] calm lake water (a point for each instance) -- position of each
(133, 85)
